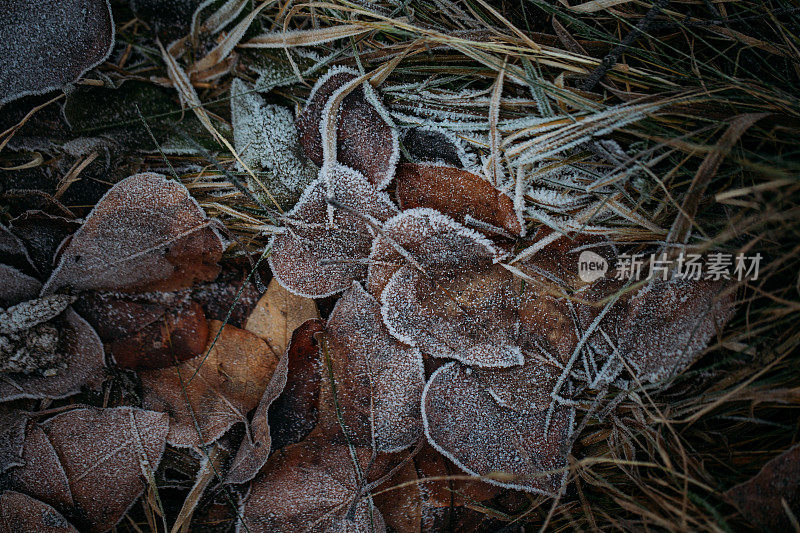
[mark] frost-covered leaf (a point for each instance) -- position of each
(12, 437)
(107, 455)
(42, 235)
(295, 412)
(46, 45)
(436, 242)
(760, 499)
(146, 233)
(319, 256)
(312, 486)
(83, 365)
(456, 193)
(43, 475)
(20, 513)
(367, 139)
(16, 286)
(378, 381)
(231, 380)
(277, 314)
(266, 138)
(663, 327)
(495, 423)
(427, 144)
(13, 252)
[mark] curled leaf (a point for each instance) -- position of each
(323, 248)
(145, 234)
(206, 395)
(367, 139)
(428, 144)
(46, 45)
(495, 423)
(20, 513)
(457, 193)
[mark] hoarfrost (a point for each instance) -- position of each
(17, 509)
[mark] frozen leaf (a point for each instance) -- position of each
(662, 328)
(20, 513)
(320, 255)
(232, 296)
(84, 365)
(46, 45)
(367, 139)
(13, 252)
(378, 381)
(16, 286)
(442, 484)
(495, 423)
(761, 498)
(295, 412)
(427, 144)
(266, 138)
(116, 316)
(25, 315)
(180, 334)
(312, 486)
(145, 234)
(107, 455)
(436, 242)
(43, 475)
(42, 235)
(12, 436)
(206, 395)
(277, 314)
(457, 193)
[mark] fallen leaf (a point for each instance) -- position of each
(16, 287)
(277, 314)
(14, 253)
(266, 138)
(495, 423)
(232, 297)
(761, 498)
(20, 513)
(46, 45)
(373, 383)
(106, 453)
(12, 437)
(441, 483)
(145, 234)
(85, 367)
(400, 501)
(367, 139)
(42, 476)
(457, 193)
(206, 395)
(312, 486)
(294, 414)
(429, 144)
(323, 248)
(42, 234)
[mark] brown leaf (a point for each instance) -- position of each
(663, 327)
(14, 253)
(231, 296)
(367, 139)
(320, 253)
(761, 498)
(12, 437)
(312, 486)
(46, 45)
(456, 193)
(441, 482)
(105, 454)
(230, 380)
(16, 287)
(85, 365)
(115, 316)
(430, 144)
(181, 333)
(495, 423)
(43, 475)
(277, 314)
(21, 514)
(294, 413)
(145, 234)
(376, 380)
(400, 501)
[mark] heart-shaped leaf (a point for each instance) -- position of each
(46, 45)
(145, 234)
(323, 248)
(367, 139)
(495, 423)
